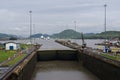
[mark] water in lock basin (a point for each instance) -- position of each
(62, 70)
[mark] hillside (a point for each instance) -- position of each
(107, 35)
(76, 35)
(3, 35)
(38, 35)
(69, 33)
(7, 36)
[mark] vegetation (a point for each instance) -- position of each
(13, 38)
(108, 35)
(4, 55)
(1, 46)
(113, 57)
(71, 34)
(25, 46)
(3, 35)
(7, 36)
(76, 35)
(67, 34)
(14, 61)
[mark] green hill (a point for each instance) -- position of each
(103, 35)
(7, 36)
(69, 33)
(109, 34)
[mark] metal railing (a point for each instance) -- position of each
(6, 74)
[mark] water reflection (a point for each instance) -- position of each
(62, 70)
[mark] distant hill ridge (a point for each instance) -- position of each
(38, 35)
(72, 34)
(6, 36)
(69, 33)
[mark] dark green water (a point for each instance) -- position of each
(62, 70)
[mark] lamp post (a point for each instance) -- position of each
(34, 32)
(30, 26)
(75, 29)
(107, 47)
(75, 25)
(105, 20)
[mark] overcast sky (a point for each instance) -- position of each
(53, 16)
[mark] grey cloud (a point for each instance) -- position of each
(47, 14)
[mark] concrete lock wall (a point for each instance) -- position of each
(57, 55)
(100, 68)
(27, 71)
(103, 70)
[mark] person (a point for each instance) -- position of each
(105, 49)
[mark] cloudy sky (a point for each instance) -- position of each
(53, 16)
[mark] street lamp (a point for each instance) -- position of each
(75, 30)
(34, 33)
(105, 19)
(30, 26)
(75, 25)
(106, 47)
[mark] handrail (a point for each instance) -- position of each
(11, 69)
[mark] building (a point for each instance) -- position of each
(12, 46)
(42, 37)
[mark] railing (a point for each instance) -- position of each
(11, 69)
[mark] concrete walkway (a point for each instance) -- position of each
(47, 44)
(51, 45)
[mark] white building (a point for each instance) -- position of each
(42, 37)
(12, 46)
